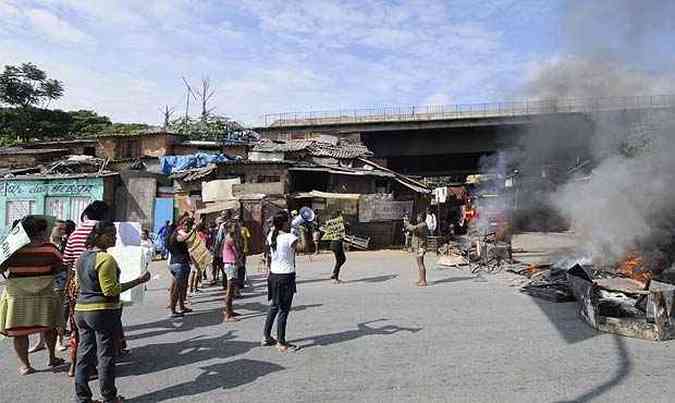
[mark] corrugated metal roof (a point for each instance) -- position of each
(61, 176)
(191, 175)
(31, 151)
(326, 195)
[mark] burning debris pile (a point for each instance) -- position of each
(624, 306)
(546, 282)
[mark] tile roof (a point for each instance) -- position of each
(316, 148)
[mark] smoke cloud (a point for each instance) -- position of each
(622, 193)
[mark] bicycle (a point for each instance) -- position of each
(491, 255)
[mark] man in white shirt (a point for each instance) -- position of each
(431, 222)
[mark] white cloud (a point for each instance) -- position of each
(263, 56)
(55, 28)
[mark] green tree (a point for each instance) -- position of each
(22, 124)
(211, 127)
(85, 122)
(26, 85)
(121, 128)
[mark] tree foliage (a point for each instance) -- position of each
(30, 124)
(26, 85)
(211, 127)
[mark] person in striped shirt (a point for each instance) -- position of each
(29, 303)
(76, 245)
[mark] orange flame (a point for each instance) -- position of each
(633, 267)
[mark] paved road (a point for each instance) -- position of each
(375, 338)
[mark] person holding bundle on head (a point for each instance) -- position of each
(280, 282)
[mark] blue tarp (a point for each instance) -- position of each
(173, 163)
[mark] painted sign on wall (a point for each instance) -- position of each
(62, 198)
(372, 209)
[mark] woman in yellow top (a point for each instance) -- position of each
(97, 313)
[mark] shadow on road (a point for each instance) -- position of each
(564, 318)
(362, 330)
(376, 279)
(225, 375)
(188, 322)
(315, 280)
(452, 280)
(151, 358)
(625, 366)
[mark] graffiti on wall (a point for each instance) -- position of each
(61, 188)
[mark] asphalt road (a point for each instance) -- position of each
(375, 338)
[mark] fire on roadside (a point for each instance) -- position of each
(633, 267)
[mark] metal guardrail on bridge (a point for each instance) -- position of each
(464, 111)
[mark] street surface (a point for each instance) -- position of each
(375, 338)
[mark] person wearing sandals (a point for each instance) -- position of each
(280, 282)
(29, 304)
(231, 258)
(179, 266)
(97, 313)
(419, 243)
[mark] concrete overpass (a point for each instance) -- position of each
(450, 139)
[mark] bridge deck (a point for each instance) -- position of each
(467, 111)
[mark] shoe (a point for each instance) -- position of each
(176, 315)
(285, 348)
(268, 342)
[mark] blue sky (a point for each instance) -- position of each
(125, 59)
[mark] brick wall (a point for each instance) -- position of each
(30, 160)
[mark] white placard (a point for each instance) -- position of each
(15, 240)
(128, 234)
(131, 261)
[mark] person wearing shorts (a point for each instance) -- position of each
(230, 260)
(418, 243)
(179, 266)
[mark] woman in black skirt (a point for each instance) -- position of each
(280, 282)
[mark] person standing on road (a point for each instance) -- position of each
(179, 266)
(56, 238)
(419, 243)
(29, 303)
(230, 263)
(245, 235)
(97, 313)
(280, 283)
(336, 237)
(96, 211)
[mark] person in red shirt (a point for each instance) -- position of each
(76, 245)
(29, 303)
